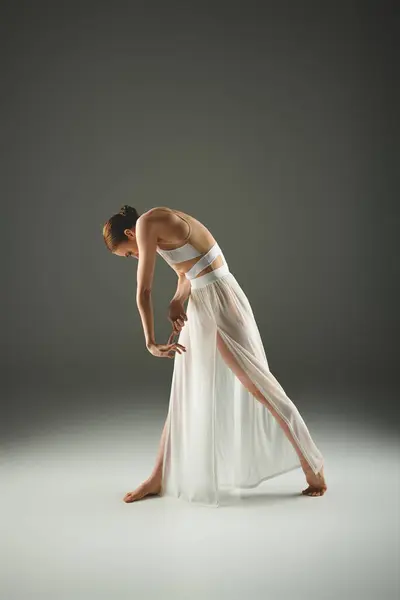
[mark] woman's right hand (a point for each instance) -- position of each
(166, 350)
(177, 315)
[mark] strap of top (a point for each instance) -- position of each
(179, 254)
(204, 261)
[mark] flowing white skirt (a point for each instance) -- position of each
(218, 435)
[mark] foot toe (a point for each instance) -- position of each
(130, 497)
(312, 491)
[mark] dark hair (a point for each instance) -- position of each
(113, 230)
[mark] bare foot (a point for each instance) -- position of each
(316, 483)
(150, 487)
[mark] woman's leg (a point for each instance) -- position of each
(152, 485)
(317, 485)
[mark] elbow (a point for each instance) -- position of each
(143, 294)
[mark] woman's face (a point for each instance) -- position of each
(129, 247)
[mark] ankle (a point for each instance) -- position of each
(305, 466)
(155, 477)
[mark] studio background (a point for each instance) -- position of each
(275, 132)
(275, 128)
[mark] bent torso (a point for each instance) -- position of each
(177, 229)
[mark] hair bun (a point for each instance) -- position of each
(127, 211)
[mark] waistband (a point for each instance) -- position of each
(199, 282)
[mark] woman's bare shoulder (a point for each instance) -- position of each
(164, 213)
(156, 212)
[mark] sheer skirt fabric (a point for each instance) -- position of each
(218, 435)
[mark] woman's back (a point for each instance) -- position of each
(184, 241)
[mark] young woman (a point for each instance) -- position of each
(230, 423)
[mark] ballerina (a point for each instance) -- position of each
(229, 423)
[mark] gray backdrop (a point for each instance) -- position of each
(274, 126)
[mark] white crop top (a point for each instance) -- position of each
(178, 255)
(188, 251)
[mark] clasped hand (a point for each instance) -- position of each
(177, 317)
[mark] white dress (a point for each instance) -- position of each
(218, 435)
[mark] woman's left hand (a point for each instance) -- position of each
(166, 350)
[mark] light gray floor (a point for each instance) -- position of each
(66, 534)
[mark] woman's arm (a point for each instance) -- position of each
(176, 310)
(146, 238)
(183, 289)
